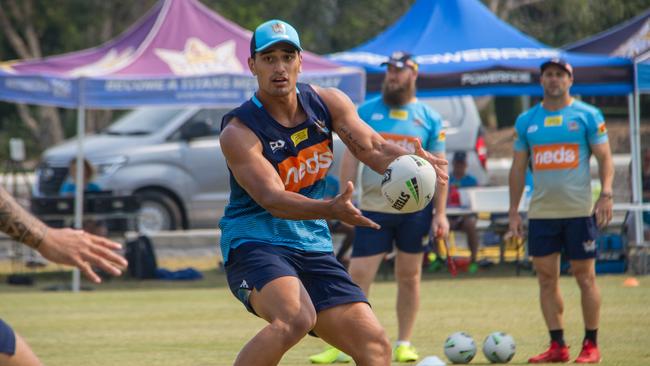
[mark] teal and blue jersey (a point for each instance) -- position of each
(402, 126)
(559, 146)
(301, 156)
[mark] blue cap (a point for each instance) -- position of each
(272, 32)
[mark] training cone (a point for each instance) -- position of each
(431, 361)
(631, 282)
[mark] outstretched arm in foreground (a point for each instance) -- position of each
(64, 246)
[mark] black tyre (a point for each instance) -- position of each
(158, 212)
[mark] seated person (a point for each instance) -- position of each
(465, 223)
(69, 187)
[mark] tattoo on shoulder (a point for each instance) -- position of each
(18, 224)
(352, 143)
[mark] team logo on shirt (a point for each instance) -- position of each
(553, 121)
(602, 129)
(573, 126)
(322, 128)
(407, 142)
(300, 136)
(555, 156)
(442, 136)
(276, 145)
(532, 128)
(310, 166)
(401, 114)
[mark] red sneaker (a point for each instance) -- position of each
(555, 353)
(589, 353)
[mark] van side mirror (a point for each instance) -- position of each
(195, 130)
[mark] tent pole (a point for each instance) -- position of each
(79, 178)
(635, 163)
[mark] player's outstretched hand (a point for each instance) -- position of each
(82, 250)
(345, 211)
(439, 164)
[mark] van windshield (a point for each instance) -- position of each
(142, 121)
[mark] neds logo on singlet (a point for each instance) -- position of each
(555, 156)
(310, 166)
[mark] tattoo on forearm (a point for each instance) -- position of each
(18, 223)
(352, 143)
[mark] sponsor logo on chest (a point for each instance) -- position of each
(309, 166)
(553, 121)
(400, 114)
(555, 156)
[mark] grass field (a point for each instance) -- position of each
(138, 323)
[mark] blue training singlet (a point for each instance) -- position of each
(301, 156)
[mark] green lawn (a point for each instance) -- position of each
(200, 323)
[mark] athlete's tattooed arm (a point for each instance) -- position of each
(18, 223)
(64, 246)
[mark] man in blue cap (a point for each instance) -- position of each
(558, 137)
(275, 242)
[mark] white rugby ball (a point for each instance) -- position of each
(499, 347)
(409, 183)
(460, 348)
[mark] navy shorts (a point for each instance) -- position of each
(7, 339)
(575, 236)
(406, 230)
(253, 265)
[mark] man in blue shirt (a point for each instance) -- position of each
(399, 117)
(558, 136)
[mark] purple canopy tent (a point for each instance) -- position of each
(179, 53)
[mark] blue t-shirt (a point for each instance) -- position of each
(558, 144)
(402, 126)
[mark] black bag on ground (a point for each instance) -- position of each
(141, 257)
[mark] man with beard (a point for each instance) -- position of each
(558, 136)
(400, 118)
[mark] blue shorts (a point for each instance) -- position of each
(253, 265)
(575, 236)
(7, 339)
(406, 230)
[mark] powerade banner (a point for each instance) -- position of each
(213, 90)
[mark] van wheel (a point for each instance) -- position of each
(158, 212)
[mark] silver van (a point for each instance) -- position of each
(171, 159)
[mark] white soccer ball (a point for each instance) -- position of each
(460, 348)
(499, 347)
(409, 183)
